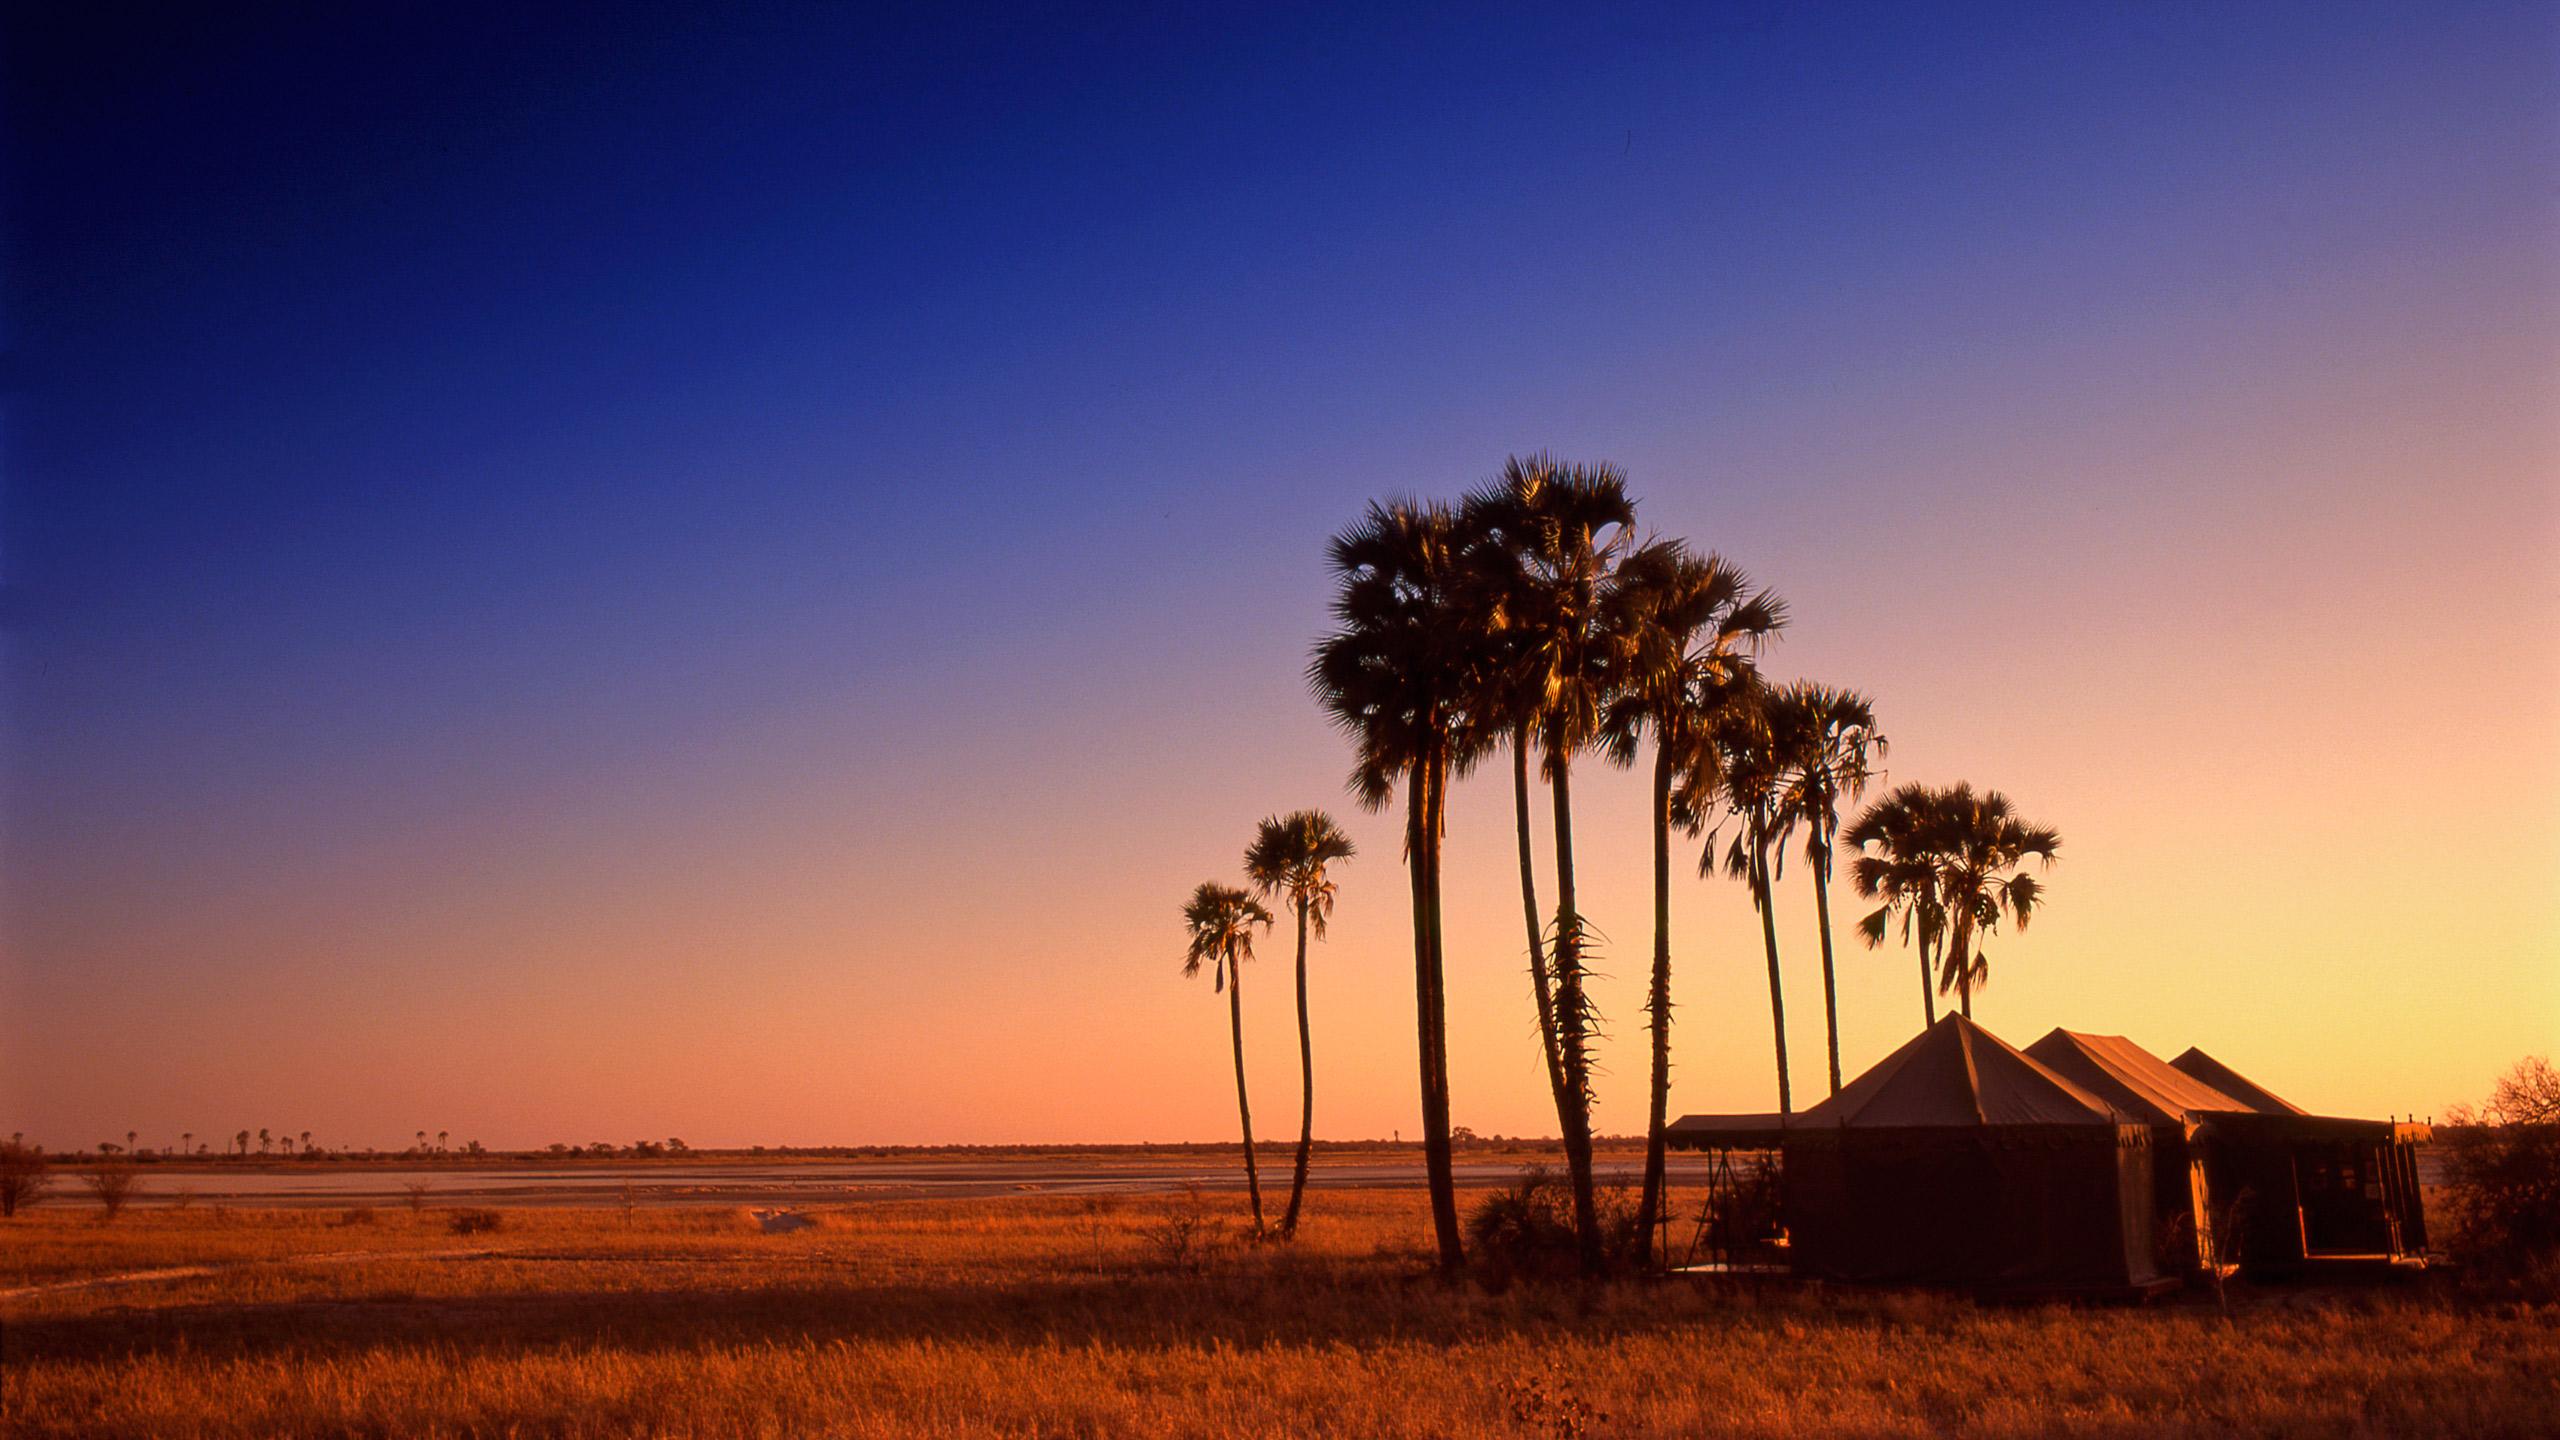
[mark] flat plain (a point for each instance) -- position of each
(1142, 1315)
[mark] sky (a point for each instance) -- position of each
(630, 573)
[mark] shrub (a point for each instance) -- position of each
(356, 1215)
(2502, 1175)
(23, 1180)
(1525, 1230)
(1187, 1236)
(114, 1183)
(474, 1222)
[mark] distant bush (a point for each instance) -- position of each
(1524, 1230)
(356, 1215)
(1185, 1239)
(23, 1180)
(474, 1222)
(2502, 1176)
(114, 1183)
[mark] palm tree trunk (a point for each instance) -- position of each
(1541, 982)
(1306, 1087)
(1423, 836)
(1244, 1107)
(1572, 1030)
(1658, 1004)
(1928, 983)
(1830, 987)
(1769, 938)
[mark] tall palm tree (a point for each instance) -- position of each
(1290, 859)
(1221, 920)
(1753, 778)
(1827, 741)
(1398, 675)
(1896, 866)
(1508, 701)
(1555, 534)
(1980, 844)
(1687, 627)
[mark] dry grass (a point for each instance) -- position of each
(1048, 1316)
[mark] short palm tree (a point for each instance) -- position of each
(1980, 843)
(1220, 919)
(1827, 742)
(1896, 867)
(1687, 628)
(1290, 859)
(1398, 675)
(1554, 535)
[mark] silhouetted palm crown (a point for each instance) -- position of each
(1220, 919)
(1549, 540)
(1683, 629)
(1289, 858)
(1825, 740)
(1405, 660)
(1897, 865)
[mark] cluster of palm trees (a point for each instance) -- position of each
(1532, 618)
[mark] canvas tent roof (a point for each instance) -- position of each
(2130, 1078)
(1955, 1073)
(1760, 1130)
(2231, 1082)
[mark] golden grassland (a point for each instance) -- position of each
(1048, 1316)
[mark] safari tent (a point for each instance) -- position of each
(2244, 1177)
(1955, 1160)
(2172, 1104)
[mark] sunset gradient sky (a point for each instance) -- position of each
(629, 575)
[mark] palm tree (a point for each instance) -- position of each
(1686, 628)
(1397, 674)
(1221, 920)
(1752, 778)
(1826, 739)
(306, 1142)
(1980, 843)
(243, 1139)
(263, 1142)
(1289, 859)
(1895, 865)
(186, 1141)
(1556, 534)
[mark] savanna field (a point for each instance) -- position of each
(1140, 1316)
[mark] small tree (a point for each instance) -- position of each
(23, 1180)
(114, 1183)
(2502, 1172)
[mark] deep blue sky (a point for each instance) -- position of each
(429, 417)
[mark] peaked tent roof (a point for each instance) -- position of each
(1957, 1073)
(2129, 1077)
(2251, 1095)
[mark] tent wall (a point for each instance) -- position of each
(2065, 1206)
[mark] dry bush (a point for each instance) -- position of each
(356, 1215)
(2502, 1177)
(1188, 1236)
(414, 1194)
(1524, 1231)
(23, 1180)
(474, 1222)
(115, 1183)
